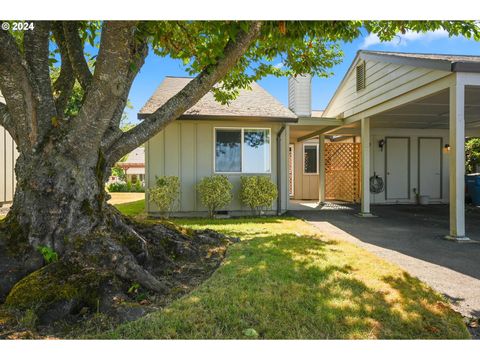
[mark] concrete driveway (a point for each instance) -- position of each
(413, 238)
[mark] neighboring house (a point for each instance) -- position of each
(134, 165)
(414, 109)
(8, 155)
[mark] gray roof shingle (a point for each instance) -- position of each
(254, 103)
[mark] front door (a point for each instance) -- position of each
(430, 167)
(397, 164)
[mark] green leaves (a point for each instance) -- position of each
(300, 46)
(49, 255)
(250, 333)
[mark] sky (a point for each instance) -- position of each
(155, 68)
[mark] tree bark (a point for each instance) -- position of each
(60, 200)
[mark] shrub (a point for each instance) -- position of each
(215, 192)
(257, 192)
(122, 186)
(119, 173)
(165, 193)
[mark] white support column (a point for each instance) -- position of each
(321, 170)
(365, 139)
(457, 162)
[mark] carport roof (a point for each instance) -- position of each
(454, 63)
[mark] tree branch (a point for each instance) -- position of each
(6, 121)
(16, 87)
(36, 48)
(63, 86)
(114, 132)
(76, 53)
(120, 57)
(185, 98)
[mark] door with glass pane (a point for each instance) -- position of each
(310, 177)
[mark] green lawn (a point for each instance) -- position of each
(133, 208)
(285, 281)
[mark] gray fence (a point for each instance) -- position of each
(8, 155)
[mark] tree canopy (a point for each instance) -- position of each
(231, 54)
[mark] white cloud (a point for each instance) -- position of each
(279, 65)
(404, 39)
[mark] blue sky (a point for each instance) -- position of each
(156, 68)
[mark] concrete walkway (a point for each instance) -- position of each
(412, 237)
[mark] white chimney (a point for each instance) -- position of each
(300, 95)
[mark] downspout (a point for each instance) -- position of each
(279, 171)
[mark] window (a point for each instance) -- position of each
(310, 158)
(242, 150)
(228, 156)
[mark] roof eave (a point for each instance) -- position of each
(436, 64)
(142, 116)
(466, 67)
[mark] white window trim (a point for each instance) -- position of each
(242, 129)
(303, 157)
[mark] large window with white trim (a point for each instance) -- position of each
(242, 150)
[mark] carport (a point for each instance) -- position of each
(411, 113)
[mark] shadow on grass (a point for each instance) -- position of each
(295, 287)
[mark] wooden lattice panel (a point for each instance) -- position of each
(342, 171)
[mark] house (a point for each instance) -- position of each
(8, 156)
(134, 165)
(393, 132)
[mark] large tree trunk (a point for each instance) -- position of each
(57, 198)
(60, 203)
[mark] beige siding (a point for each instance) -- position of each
(8, 155)
(384, 81)
(185, 149)
(377, 160)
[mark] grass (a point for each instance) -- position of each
(134, 208)
(285, 281)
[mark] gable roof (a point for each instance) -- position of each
(254, 104)
(446, 62)
(137, 156)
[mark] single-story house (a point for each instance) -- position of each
(393, 131)
(134, 165)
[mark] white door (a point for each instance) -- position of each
(430, 167)
(397, 163)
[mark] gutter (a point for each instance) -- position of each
(279, 171)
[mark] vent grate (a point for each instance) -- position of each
(361, 70)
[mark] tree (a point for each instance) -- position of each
(68, 143)
(472, 155)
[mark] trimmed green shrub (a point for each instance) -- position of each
(122, 186)
(215, 192)
(165, 194)
(257, 192)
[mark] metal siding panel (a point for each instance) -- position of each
(204, 156)
(9, 178)
(172, 149)
(2, 165)
(187, 161)
(155, 162)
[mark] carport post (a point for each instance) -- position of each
(365, 138)
(457, 162)
(321, 172)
